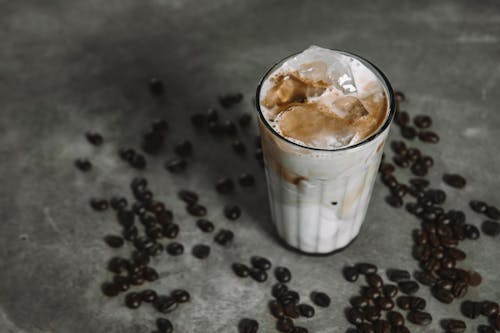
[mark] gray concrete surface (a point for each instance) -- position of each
(69, 66)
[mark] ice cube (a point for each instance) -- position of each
(341, 76)
(349, 108)
(315, 71)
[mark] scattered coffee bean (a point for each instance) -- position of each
(276, 309)
(239, 147)
(232, 212)
(471, 231)
(165, 304)
(386, 168)
(425, 278)
(94, 138)
(475, 278)
(248, 326)
(133, 300)
(422, 121)
(285, 324)
(371, 313)
(187, 196)
(495, 321)
(246, 180)
(408, 132)
(196, 210)
(398, 275)
(374, 280)
(402, 118)
(491, 228)
(261, 263)
(240, 270)
(156, 86)
(408, 287)
(385, 304)
(390, 290)
(471, 309)
(113, 241)
(399, 147)
(122, 282)
(205, 225)
(180, 295)
(117, 265)
(354, 316)
(420, 318)
(110, 289)
(201, 251)
(98, 204)
(224, 185)
(454, 326)
(282, 274)
(454, 180)
(395, 318)
(83, 164)
(258, 275)
(291, 310)
(229, 100)
(306, 310)
(399, 96)
(493, 213)
(485, 329)
(366, 268)
(278, 289)
(320, 299)
(401, 161)
(244, 120)
(489, 308)
(176, 165)
(229, 128)
(171, 230)
(290, 296)
(428, 136)
(224, 237)
(183, 148)
(175, 249)
(150, 274)
(152, 142)
(394, 201)
(382, 326)
(164, 325)
(148, 295)
(350, 273)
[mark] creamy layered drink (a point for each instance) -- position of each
(324, 118)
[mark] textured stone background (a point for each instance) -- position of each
(69, 66)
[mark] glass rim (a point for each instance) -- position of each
(380, 75)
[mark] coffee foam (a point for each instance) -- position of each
(323, 99)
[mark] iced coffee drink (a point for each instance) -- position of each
(324, 118)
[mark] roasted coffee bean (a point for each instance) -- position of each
(260, 263)
(244, 120)
(350, 273)
(229, 128)
(152, 142)
(408, 132)
(443, 294)
(110, 289)
(282, 274)
(414, 154)
(428, 136)
(420, 317)
(456, 254)
(371, 313)
(133, 300)
(402, 118)
(447, 262)
(374, 280)
(188, 197)
(394, 201)
(276, 309)
(491, 228)
(98, 204)
(212, 115)
(140, 258)
(381, 326)
(285, 324)
(240, 270)
(371, 293)
(404, 302)
(83, 164)
(94, 138)
(171, 230)
(471, 309)
(289, 296)
(291, 310)
(401, 161)
(478, 206)
(224, 185)
(390, 290)
(475, 278)
(138, 161)
(148, 295)
(365, 328)
(130, 233)
(385, 303)
(414, 208)
(180, 295)
(417, 303)
(418, 168)
(156, 86)
(408, 287)
(229, 100)
(400, 190)
(246, 180)
(247, 325)
(425, 278)
(126, 154)
(122, 282)
(118, 203)
(164, 325)
(354, 316)
(224, 237)
(485, 329)
(139, 208)
(117, 265)
(150, 274)
(454, 180)
(184, 148)
(495, 321)
(459, 289)
(422, 121)
(306, 310)
(399, 96)
(176, 165)
(154, 232)
(205, 225)
(399, 147)
(471, 231)
(398, 275)
(386, 168)
(389, 180)
(258, 275)
(113, 241)
(175, 249)
(196, 210)
(201, 251)
(359, 302)
(232, 212)
(239, 147)
(278, 289)
(165, 304)
(453, 326)
(493, 213)
(320, 299)
(395, 318)
(489, 308)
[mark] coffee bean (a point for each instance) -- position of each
(395, 318)
(240, 270)
(122, 282)
(232, 212)
(113, 241)
(495, 322)
(493, 213)
(354, 316)
(414, 154)
(404, 302)
(399, 147)
(239, 147)
(224, 185)
(471, 231)
(276, 309)
(126, 154)
(139, 208)
(459, 289)
(425, 278)
(400, 190)
(156, 86)
(386, 168)
(184, 148)
(350, 273)
(428, 136)
(244, 120)
(475, 278)
(399, 96)
(491, 228)
(285, 324)
(175, 249)
(165, 304)
(176, 165)
(83, 164)
(390, 290)
(443, 294)
(229, 100)
(133, 300)
(291, 310)
(229, 128)
(385, 303)
(420, 318)
(422, 121)
(187, 196)
(320, 299)
(381, 326)
(150, 274)
(260, 263)
(402, 118)
(408, 287)
(140, 258)
(171, 230)
(94, 138)
(478, 206)
(394, 201)
(205, 225)
(359, 302)
(419, 168)
(454, 180)
(371, 313)
(152, 142)
(246, 180)
(289, 296)
(401, 161)
(365, 328)
(201, 251)
(419, 182)
(489, 308)
(117, 265)
(247, 325)
(180, 295)
(398, 275)
(98, 204)
(306, 310)
(258, 275)
(371, 293)
(485, 329)
(278, 289)
(454, 326)
(164, 325)
(374, 280)
(148, 295)
(110, 289)
(471, 309)
(282, 274)
(196, 210)
(366, 268)
(224, 237)
(408, 132)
